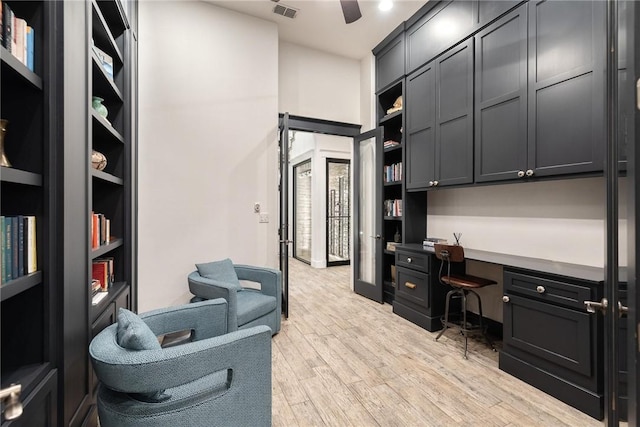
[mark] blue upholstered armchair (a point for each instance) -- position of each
(247, 306)
(217, 378)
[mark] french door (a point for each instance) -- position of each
(338, 202)
(367, 214)
(283, 230)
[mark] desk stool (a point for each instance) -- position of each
(462, 285)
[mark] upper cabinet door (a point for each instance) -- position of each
(454, 116)
(566, 86)
(420, 101)
(501, 98)
(439, 29)
(390, 60)
(488, 10)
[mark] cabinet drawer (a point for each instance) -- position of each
(543, 289)
(413, 260)
(413, 286)
(556, 334)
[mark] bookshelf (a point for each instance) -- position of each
(28, 301)
(391, 119)
(100, 49)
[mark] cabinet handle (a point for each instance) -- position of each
(409, 260)
(410, 285)
(10, 397)
(505, 298)
(430, 183)
(435, 182)
(529, 172)
(520, 174)
(540, 289)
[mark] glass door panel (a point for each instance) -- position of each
(338, 211)
(302, 203)
(367, 214)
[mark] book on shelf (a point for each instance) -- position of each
(100, 230)
(17, 36)
(106, 61)
(18, 247)
(99, 296)
(391, 246)
(393, 208)
(390, 143)
(109, 273)
(393, 172)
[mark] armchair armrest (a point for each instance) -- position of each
(207, 319)
(269, 278)
(247, 353)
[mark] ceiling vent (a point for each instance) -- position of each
(284, 10)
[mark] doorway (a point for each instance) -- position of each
(338, 203)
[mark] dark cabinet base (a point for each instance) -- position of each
(430, 323)
(589, 402)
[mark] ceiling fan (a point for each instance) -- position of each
(350, 10)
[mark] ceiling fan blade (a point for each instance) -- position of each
(350, 10)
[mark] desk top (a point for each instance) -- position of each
(584, 272)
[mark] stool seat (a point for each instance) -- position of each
(462, 285)
(467, 281)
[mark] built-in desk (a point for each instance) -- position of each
(549, 339)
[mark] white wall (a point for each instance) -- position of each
(317, 84)
(208, 99)
(367, 92)
(318, 148)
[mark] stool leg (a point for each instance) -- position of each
(464, 321)
(445, 324)
(484, 333)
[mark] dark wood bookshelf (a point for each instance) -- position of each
(106, 86)
(17, 176)
(105, 249)
(19, 285)
(113, 292)
(16, 67)
(389, 117)
(107, 177)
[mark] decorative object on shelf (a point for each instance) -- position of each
(397, 237)
(457, 236)
(101, 109)
(98, 160)
(3, 130)
(397, 105)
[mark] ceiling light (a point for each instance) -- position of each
(385, 5)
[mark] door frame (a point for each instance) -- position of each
(286, 123)
(294, 199)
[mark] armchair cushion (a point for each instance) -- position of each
(253, 305)
(221, 271)
(134, 334)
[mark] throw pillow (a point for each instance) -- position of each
(134, 334)
(221, 271)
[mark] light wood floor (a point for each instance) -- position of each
(341, 359)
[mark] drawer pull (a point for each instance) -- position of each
(505, 298)
(410, 285)
(540, 289)
(409, 260)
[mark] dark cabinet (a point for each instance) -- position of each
(443, 26)
(390, 59)
(420, 133)
(501, 99)
(566, 87)
(488, 10)
(420, 298)
(550, 341)
(440, 121)
(454, 116)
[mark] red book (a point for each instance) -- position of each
(95, 231)
(100, 272)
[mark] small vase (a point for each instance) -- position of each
(96, 103)
(3, 130)
(98, 160)
(397, 237)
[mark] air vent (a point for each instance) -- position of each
(284, 10)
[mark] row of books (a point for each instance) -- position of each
(393, 172)
(106, 61)
(18, 247)
(393, 207)
(100, 230)
(17, 36)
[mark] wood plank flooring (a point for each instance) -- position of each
(343, 360)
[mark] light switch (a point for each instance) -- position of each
(264, 217)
